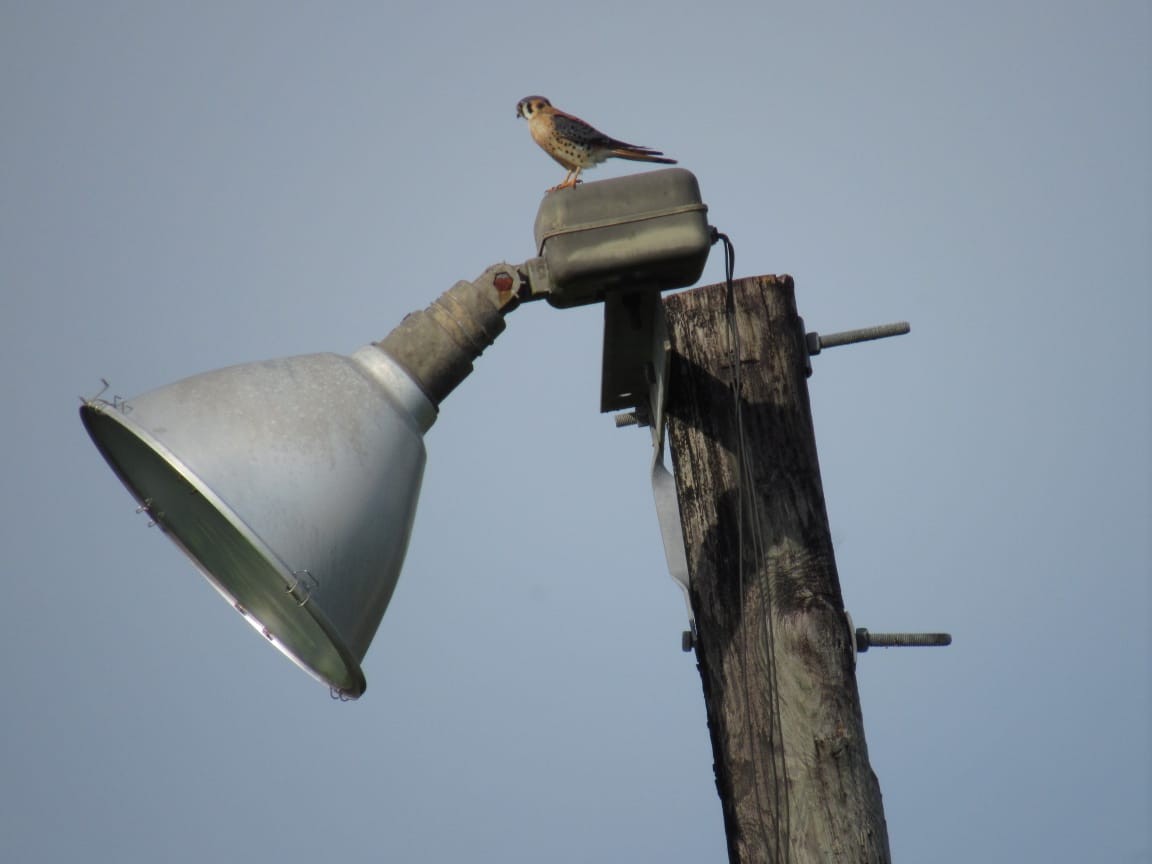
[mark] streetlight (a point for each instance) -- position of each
(292, 483)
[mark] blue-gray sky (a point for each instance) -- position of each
(186, 186)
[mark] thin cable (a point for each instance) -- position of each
(746, 499)
(736, 385)
(777, 754)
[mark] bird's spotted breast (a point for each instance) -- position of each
(577, 145)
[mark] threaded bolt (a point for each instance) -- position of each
(628, 418)
(866, 640)
(817, 342)
(631, 418)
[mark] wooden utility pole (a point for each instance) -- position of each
(774, 646)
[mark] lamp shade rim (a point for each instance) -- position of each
(236, 561)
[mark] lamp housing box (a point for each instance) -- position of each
(643, 231)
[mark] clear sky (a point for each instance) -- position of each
(188, 185)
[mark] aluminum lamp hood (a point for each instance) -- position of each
(292, 483)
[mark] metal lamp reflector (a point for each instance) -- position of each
(291, 483)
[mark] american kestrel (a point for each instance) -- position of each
(575, 144)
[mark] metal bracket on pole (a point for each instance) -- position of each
(663, 483)
(635, 330)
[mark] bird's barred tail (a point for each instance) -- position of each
(642, 154)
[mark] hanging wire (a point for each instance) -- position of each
(748, 508)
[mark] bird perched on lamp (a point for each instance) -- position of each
(575, 144)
